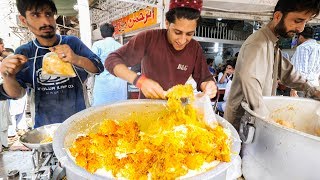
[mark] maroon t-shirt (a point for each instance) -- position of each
(160, 61)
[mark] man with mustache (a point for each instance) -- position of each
(260, 62)
(54, 99)
(168, 56)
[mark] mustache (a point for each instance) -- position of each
(296, 32)
(44, 27)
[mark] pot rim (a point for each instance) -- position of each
(291, 130)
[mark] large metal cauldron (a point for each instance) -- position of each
(272, 151)
(87, 120)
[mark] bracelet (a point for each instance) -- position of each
(140, 80)
(136, 79)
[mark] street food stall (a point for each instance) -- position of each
(273, 150)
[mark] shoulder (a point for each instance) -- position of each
(23, 49)
(263, 38)
(71, 40)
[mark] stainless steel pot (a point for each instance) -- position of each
(272, 151)
(32, 139)
(87, 120)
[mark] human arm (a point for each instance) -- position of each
(223, 77)
(149, 88)
(66, 53)
(252, 70)
(9, 67)
(300, 60)
(202, 75)
(131, 54)
(289, 76)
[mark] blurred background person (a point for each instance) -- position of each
(306, 59)
(210, 62)
(224, 77)
(4, 107)
(107, 88)
(221, 106)
(2, 50)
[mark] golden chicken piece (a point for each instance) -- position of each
(53, 65)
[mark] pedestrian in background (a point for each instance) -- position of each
(306, 59)
(107, 88)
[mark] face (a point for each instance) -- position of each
(230, 69)
(41, 23)
(1, 48)
(291, 24)
(181, 32)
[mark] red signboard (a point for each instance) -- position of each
(140, 19)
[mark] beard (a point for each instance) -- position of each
(48, 35)
(282, 31)
(45, 35)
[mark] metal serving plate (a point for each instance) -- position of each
(32, 139)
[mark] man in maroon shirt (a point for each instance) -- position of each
(168, 56)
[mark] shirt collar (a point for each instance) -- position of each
(56, 43)
(270, 34)
(310, 41)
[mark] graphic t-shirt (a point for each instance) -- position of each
(160, 61)
(56, 98)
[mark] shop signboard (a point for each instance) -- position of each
(137, 20)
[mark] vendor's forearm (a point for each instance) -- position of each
(124, 73)
(86, 64)
(12, 88)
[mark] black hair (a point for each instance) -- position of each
(286, 6)
(183, 13)
(232, 63)
(27, 5)
(1, 41)
(307, 33)
(106, 30)
(210, 60)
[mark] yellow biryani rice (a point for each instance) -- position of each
(174, 144)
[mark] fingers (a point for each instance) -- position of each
(61, 50)
(152, 90)
(209, 88)
(12, 64)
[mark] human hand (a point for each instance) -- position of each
(65, 53)
(11, 65)
(209, 88)
(293, 93)
(152, 89)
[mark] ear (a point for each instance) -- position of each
(23, 20)
(277, 16)
(167, 24)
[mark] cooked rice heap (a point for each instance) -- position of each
(173, 144)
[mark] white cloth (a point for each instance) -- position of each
(4, 122)
(306, 60)
(226, 95)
